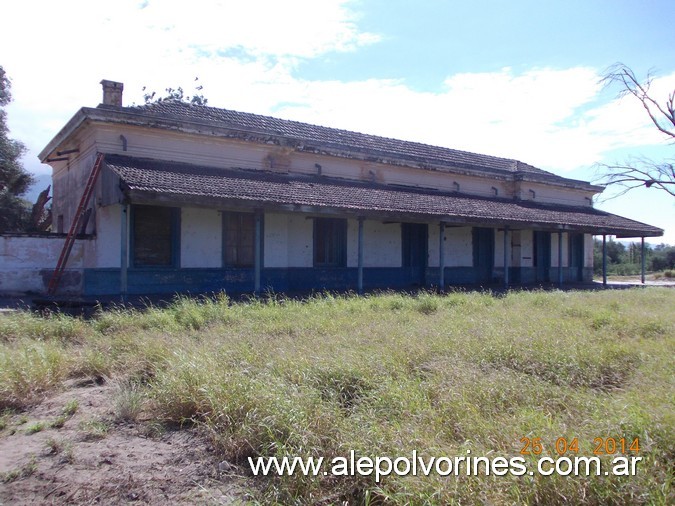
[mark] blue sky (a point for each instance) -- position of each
(508, 78)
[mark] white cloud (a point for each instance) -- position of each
(245, 54)
(56, 52)
(547, 117)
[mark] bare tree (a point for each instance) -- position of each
(642, 171)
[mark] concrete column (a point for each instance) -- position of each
(642, 259)
(506, 257)
(604, 260)
(560, 269)
(441, 257)
(124, 252)
(258, 253)
(360, 260)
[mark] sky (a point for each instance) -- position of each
(517, 79)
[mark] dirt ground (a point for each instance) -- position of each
(91, 459)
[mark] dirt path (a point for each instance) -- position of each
(90, 459)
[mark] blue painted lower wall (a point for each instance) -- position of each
(163, 281)
(148, 281)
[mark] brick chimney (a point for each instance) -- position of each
(112, 93)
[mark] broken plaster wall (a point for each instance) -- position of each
(381, 244)
(458, 246)
(27, 263)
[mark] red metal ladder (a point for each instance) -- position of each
(74, 227)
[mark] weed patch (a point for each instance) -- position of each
(94, 430)
(21, 472)
(382, 375)
(128, 401)
(346, 388)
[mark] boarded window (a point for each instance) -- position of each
(154, 236)
(330, 242)
(238, 239)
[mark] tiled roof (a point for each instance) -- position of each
(248, 188)
(319, 136)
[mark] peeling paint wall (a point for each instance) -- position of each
(381, 244)
(588, 250)
(300, 241)
(27, 262)
(201, 238)
(554, 194)
(458, 246)
(70, 177)
(276, 243)
(515, 249)
(104, 250)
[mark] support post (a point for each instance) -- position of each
(441, 257)
(642, 259)
(560, 268)
(604, 260)
(506, 257)
(124, 252)
(360, 260)
(258, 253)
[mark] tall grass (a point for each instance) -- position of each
(384, 375)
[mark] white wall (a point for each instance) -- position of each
(26, 263)
(381, 244)
(201, 238)
(516, 248)
(554, 194)
(521, 246)
(457, 247)
(104, 250)
(300, 241)
(276, 245)
(588, 250)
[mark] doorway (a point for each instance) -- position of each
(415, 241)
(541, 256)
(483, 253)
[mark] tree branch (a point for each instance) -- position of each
(639, 172)
(642, 171)
(662, 117)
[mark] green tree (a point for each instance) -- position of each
(663, 258)
(176, 95)
(14, 179)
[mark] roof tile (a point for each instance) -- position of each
(263, 188)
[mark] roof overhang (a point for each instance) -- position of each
(175, 184)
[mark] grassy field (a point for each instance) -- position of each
(384, 375)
